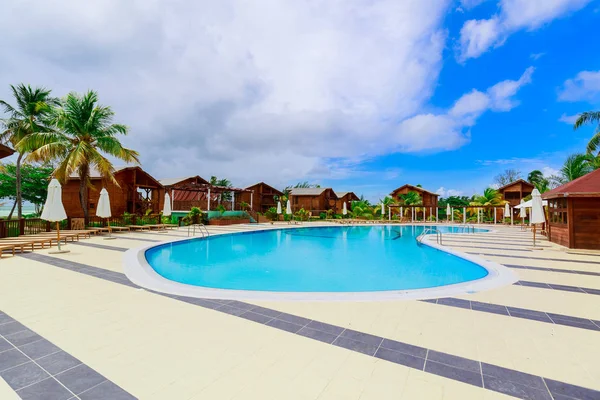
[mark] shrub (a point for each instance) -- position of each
(271, 213)
(322, 215)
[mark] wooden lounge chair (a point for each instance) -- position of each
(120, 228)
(139, 227)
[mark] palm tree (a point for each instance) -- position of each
(593, 161)
(537, 179)
(362, 209)
(83, 131)
(590, 117)
(576, 166)
(28, 116)
(490, 197)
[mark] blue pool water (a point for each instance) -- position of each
(324, 259)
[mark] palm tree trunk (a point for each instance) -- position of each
(12, 210)
(19, 199)
(83, 190)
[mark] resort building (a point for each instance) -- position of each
(184, 199)
(515, 191)
(428, 199)
(574, 213)
(5, 151)
(345, 197)
(315, 200)
(260, 197)
(137, 192)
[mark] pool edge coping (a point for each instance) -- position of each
(138, 270)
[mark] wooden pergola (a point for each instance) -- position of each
(434, 211)
(207, 190)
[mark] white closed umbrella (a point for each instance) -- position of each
(506, 210)
(167, 211)
(279, 208)
(54, 211)
(537, 211)
(288, 208)
(344, 209)
(522, 212)
(448, 211)
(382, 210)
(103, 208)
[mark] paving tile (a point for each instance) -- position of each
(490, 308)
(58, 362)
(323, 327)
(284, 325)
(400, 358)
(294, 319)
(252, 316)
(355, 345)
(80, 378)
(405, 348)
(453, 361)
(566, 288)
(266, 311)
(39, 349)
(241, 305)
(48, 389)
(576, 392)
(105, 391)
(230, 310)
(582, 323)
(5, 318)
(541, 318)
(317, 335)
(199, 302)
(11, 327)
(11, 358)
(591, 291)
(24, 337)
(23, 375)
(534, 284)
(433, 301)
(362, 337)
(4, 345)
(509, 375)
(450, 301)
(515, 389)
(457, 374)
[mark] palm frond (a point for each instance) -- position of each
(588, 117)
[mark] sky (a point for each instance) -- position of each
(358, 95)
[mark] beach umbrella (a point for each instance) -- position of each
(506, 210)
(278, 207)
(537, 215)
(344, 209)
(288, 208)
(103, 208)
(54, 211)
(167, 206)
(522, 212)
(382, 210)
(448, 211)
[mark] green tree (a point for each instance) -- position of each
(34, 180)
(33, 105)
(410, 199)
(575, 166)
(537, 178)
(362, 209)
(490, 197)
(593, 161)
(590, 117)
(223, 182)
(84, 132)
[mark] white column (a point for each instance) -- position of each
(208, 201)
(452, 214)
(252, 200)
(430, 212)
(478, 215)
(390, 213)
(495, 216)
(464, 215)
(436, 214)
(232, 201)
(412, 214)
(512, 217)
(401, 213)
(172, 198)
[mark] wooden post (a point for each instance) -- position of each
(22, 226)
(58, 233)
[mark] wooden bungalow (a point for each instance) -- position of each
(5, 151)
(429, 200)
(315, 200)
(260, 197)
(515, 191)
(136, 193)
(184, 200)
(345, 197)
(574, 213)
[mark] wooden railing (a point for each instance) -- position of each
(23, 226)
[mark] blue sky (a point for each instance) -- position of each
(361, 95)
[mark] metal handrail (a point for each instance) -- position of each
(468, 227)
(438, 236)
(192, 227)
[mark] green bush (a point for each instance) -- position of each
(271, 213)
(322, 215)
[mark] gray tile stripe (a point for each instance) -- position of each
(565, 288)
(491, 377)
(100, 246)
(138, 239)
(488, 248)
(533, 258)
(39, 370)
(540, 316)
(564, 271)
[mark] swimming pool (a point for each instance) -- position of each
(314, 259)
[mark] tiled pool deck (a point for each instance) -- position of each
(73, 326)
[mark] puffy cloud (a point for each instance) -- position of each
(478, 36)
(468, 4)
(584, 87)
(568, 119)
(443, 192)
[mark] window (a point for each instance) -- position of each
(558, 211)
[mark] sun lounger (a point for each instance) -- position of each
(139, 227)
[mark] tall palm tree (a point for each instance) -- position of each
(593, 161)
(590, 117)
(28, 116)
(574, 167)
(83, 131)
(537, 179)
(490, 197)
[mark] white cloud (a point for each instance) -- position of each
(584, 87)
(536, 56)
(443, 192)
(469, 4)
(478, 36)
(549, 171)
(568, 119)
